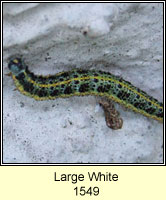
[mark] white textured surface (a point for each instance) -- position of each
(122, 38)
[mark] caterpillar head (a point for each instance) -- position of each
(16, 66)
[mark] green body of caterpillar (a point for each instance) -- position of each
(84, 82)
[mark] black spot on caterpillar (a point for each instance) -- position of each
(84, 82)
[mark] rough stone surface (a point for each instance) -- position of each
(122, 38)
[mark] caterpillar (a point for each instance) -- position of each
(80, 82)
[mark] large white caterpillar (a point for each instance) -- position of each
(84, 82)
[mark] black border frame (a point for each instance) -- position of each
(82, 164)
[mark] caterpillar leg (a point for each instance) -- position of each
(111, 115)
(9, 74)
